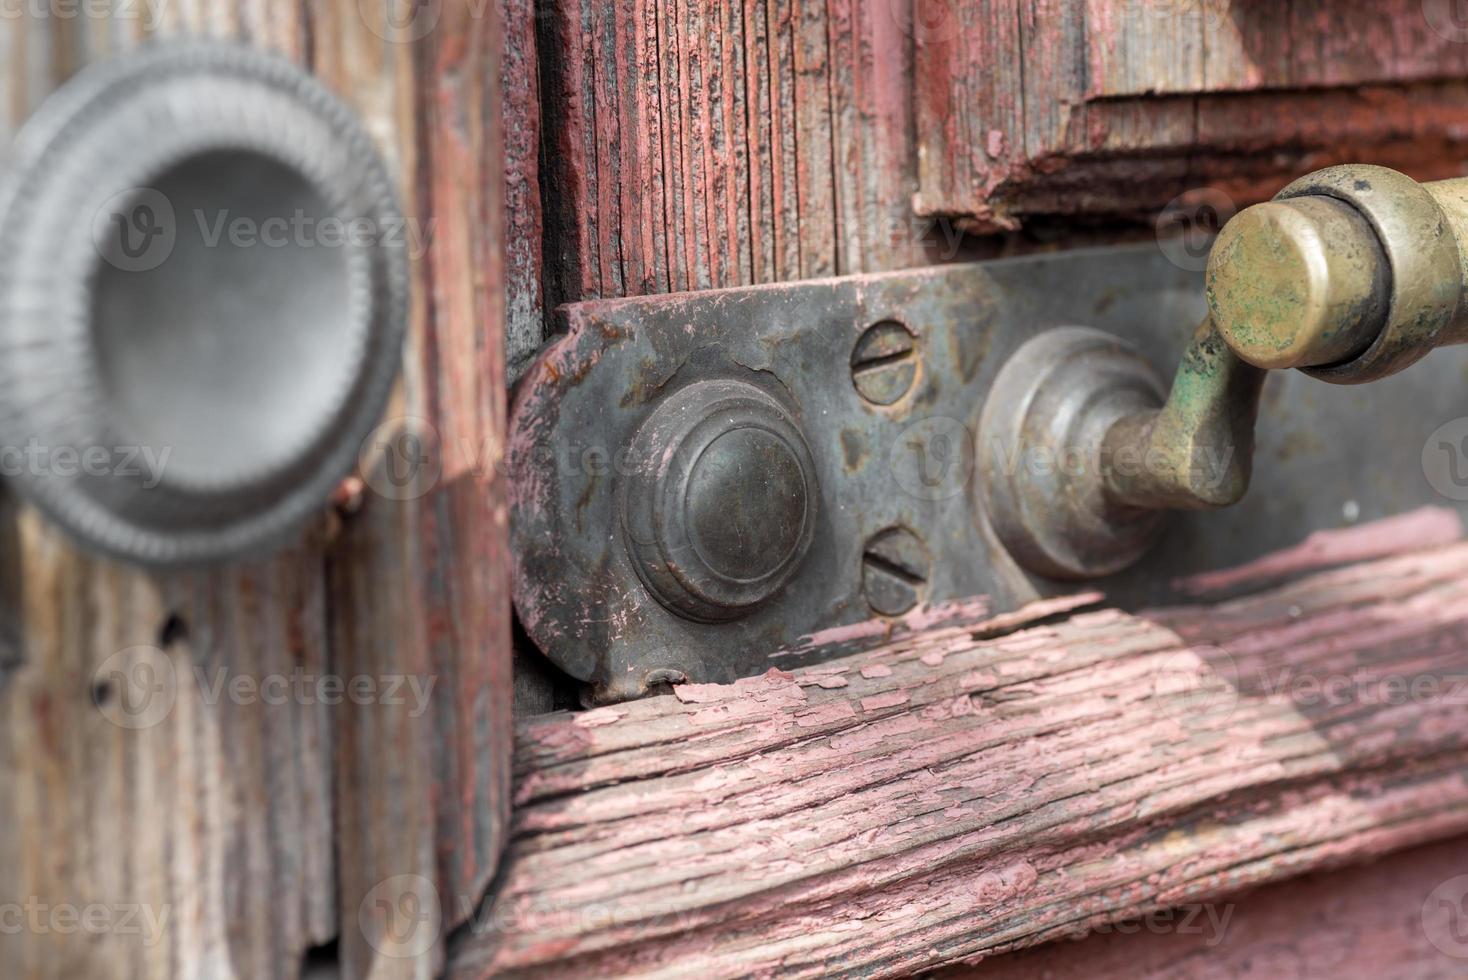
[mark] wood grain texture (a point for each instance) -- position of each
(1117, 106)
(215, 822)
(520, 84)
(253, 830)
(947, 797)
(418, 586)
(698, 145)
(1378, 921)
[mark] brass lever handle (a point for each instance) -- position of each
(1155, 460)
(1350, 274)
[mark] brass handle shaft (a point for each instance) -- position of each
(1351, 274)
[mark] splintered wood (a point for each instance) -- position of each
(943, 797)
(1028, 107)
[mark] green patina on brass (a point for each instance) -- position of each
(1196, 452)
(1351, 274)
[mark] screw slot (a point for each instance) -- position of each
(895, 569)
(884, 363)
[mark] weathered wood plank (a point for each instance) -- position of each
(943, 797)
(1121, 105)
(417, 581)
(255, 830)
(210, 820)
(520, 83)
(1174, 47)
(695, 146)
(1374, 922)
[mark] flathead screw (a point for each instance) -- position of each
(884, 363)
(895, 568)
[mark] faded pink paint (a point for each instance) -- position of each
(1425, 527)
(887, 699)
(963, 612)
(1357, 923)
(1022, 788)
(598, 717)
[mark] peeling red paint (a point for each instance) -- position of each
(1023, 787)
(599, 717)
(890, 699)
(1117, 106)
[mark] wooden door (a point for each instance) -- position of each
(251, 837)
(857, 819)
(933, 798)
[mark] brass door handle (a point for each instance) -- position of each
(1350, 274)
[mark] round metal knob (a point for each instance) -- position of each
(203, 302)
(721, 503)
(1298, 283)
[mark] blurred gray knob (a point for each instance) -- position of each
(203, 299)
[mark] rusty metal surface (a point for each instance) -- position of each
(1326, 454)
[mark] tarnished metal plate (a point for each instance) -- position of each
(895, 482)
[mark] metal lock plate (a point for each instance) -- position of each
(703, 479)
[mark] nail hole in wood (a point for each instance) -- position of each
(174, 630)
